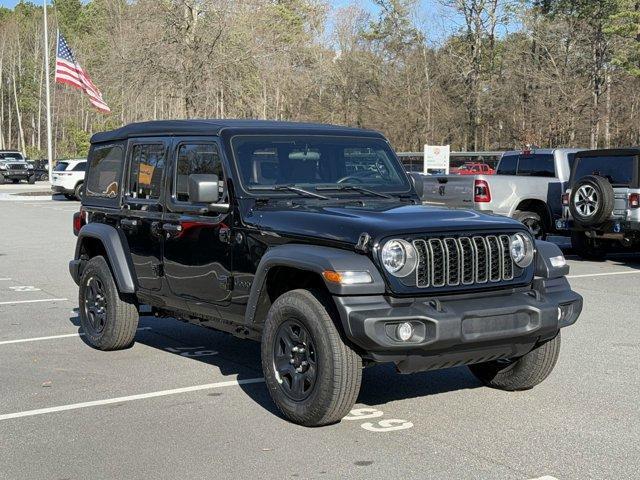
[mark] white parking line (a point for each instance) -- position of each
(627, 272)
(130, 398)
(52, 337)
(16, 302)
(4, 279)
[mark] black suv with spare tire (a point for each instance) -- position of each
(602, 202)
(310, 239)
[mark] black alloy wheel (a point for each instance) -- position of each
(294, 360)
(95, 304)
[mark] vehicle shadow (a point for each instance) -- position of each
(241, 359)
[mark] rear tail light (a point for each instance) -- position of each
(80, 219)
(634, 200)
(481, 192)
(565, 199)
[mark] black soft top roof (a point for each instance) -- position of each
(214, 127)
(609, 152)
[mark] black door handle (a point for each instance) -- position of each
(172, 227)
(128, 223)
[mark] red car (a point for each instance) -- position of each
(474, 169)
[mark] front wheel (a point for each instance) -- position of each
(32, 179)
(312, 375)
(520, 373)
(108, 319)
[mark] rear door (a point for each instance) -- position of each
(141, 219)
(197, 243)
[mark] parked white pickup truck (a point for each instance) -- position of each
(527, 186)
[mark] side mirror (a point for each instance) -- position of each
(418, 183)
(203, 188)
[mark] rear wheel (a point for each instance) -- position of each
(312, 375)
(533, 222)
(521, 373)
(586, 247)
(79, 191)
(109, 320)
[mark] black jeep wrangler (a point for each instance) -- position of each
(310, 239)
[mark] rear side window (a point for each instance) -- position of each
(619, 170)
(537, 166)
(60, 167)
(105, 171)
(195, 159)
(80, 167)
(508, 165)
(146, 171)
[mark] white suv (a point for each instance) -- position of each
(68, 178)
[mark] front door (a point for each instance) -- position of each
(142, 213)
(197, 250)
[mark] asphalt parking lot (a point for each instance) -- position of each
(187, 402)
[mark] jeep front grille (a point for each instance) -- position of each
(448, 262)
(17, 166)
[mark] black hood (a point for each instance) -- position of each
(345, 224)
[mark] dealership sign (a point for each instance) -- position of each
(436, 157)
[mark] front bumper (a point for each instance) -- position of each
(458, 330)
(16, 174)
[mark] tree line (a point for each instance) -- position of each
(507, 73)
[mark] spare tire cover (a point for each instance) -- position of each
(591, 201)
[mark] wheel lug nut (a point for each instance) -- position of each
(292, 361)
(301, 350)
(294, 349)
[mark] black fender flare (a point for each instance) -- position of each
(545, 251)
(116, 247)
(314, 259)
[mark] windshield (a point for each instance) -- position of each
(314, 162)
(619, 170)
(10, 155)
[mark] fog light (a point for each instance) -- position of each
(565, 312)
(404, 331)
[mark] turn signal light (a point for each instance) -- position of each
(347, 278)
(634, 200)
(565, 199)
(481, 192)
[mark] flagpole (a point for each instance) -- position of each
(48, 88)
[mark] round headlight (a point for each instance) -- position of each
(521, 248)
(399, 257)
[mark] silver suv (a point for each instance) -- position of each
(14, 167)
(601, 206)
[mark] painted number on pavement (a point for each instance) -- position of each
(191, 352)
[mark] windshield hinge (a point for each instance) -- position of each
(364, 243)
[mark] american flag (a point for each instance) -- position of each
(69, 71)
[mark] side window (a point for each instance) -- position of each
(508, 165)
(194, 158)
(537, 166)
(104, 172)
(146, 171)
(80, 167)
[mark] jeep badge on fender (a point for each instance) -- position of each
(310, 239)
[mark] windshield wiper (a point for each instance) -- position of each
(288, 188)
(354, 188)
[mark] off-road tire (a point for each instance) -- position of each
(32, 179)
(2, 180)
(339, 368)
(586, 248)
(531, 220)
(121, 311)
(44, 177)
(78, 191)
(606, 200)
(523, 373)
(16, 180)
